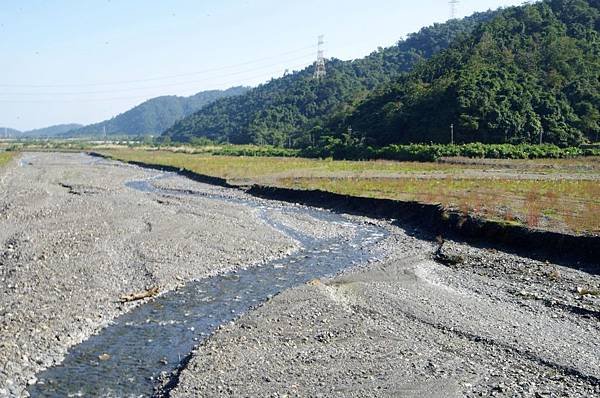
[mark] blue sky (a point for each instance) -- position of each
(73, 61)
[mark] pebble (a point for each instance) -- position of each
(104, 357)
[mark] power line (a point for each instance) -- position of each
(156, 78)
(141, 96)
(263, 67)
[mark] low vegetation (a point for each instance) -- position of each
(554, 194)
(253, 150)
(49, 145)
(5, 157)
(347, 149)
(334, 148)
(550, 204)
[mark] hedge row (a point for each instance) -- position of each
(251, 150)
(424, 152)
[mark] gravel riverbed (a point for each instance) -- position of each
(495, 324)
(74, 238)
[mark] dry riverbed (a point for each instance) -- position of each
(74, 238)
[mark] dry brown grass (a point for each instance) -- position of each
(533, 206)
(555, 205)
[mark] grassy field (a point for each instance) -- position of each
(560, 195)
(6, 157)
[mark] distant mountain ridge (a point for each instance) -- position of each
(51, 131)
(154, 116)
(11, 133)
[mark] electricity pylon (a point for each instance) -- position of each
(320, 62)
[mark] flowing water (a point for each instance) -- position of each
(154, 338)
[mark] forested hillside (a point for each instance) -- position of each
(295, 109)
(52, 131)
(532, 70)
(155, 115)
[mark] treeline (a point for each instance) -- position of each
(427, 153)
(254, 151)
(339, 149)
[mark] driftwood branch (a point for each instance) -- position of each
(446, 259)
(153, 291)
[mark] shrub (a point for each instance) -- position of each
(250, 150)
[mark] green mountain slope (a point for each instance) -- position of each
(51, 131)
(295, 108)
(155, 115)
(532, 70)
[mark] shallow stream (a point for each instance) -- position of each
(153, 339)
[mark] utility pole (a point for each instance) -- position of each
(541, 136)
(104, 132)
(6, 132)
(320, 62)
(453, 8)
(452, 134)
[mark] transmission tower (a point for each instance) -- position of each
(320, 62)
(453, 8)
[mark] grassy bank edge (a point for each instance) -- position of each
(522, 202)
(534, 243)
